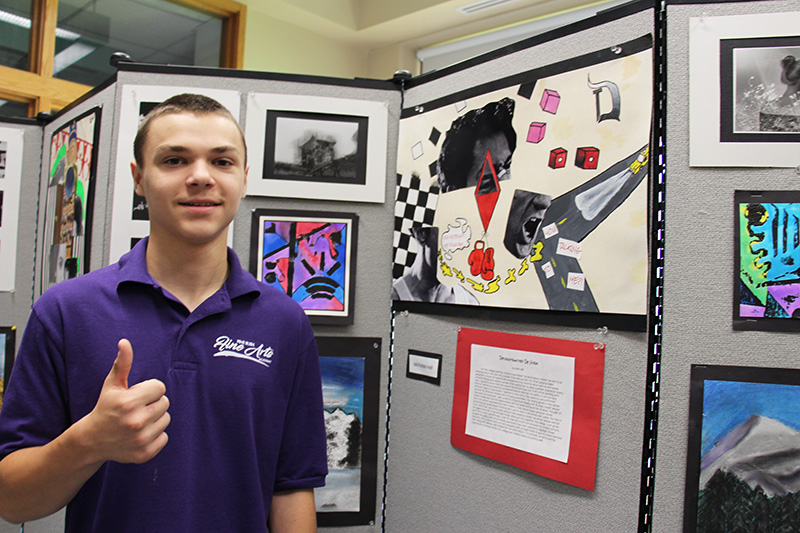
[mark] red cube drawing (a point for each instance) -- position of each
(536, 132)
(558, 158)
(587, 157)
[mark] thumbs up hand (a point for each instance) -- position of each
(127, 425)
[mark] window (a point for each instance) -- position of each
(53, 51)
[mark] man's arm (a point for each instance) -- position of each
(127, 425)
(293, 511)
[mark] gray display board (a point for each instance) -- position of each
(699, 264)
(433, 486)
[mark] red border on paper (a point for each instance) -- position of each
(589, 360)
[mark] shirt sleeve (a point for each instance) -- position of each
(34, 409)
(303, 461)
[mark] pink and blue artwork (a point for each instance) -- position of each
(310, 256)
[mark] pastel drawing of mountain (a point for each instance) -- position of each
(761, 452)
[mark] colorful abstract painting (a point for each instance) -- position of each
(70, 192)
(531, 192)
(767, 250)
(743, 440)
(350, 381)
(311, 257)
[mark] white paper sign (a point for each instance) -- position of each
(523, 400)
(576, 281)
(569, 248)
(550, 230)
(426, 366)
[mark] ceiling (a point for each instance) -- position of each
(379, 23)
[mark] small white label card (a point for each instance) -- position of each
(424, 366)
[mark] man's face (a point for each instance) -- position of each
(193, 176)
(524, 218)
(482, 175)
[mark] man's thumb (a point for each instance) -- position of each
(122, 365)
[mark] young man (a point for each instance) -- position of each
(174, 339)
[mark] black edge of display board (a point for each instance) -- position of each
(255, 75)
(619, 322)
(592, 58)
(600, 18)
(656, 207)
(24, 121)
(700, 2)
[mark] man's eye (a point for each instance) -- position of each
(172, 161)
(224, 163)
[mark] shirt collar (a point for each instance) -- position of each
(133, 268)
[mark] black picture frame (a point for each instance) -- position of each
(743, 400)
(315, 136)
(368, 351)
(731, 69)
(431, 377)
(78, 263)
(766, 288)
(313, 284)
(8, 341)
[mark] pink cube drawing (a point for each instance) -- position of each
(536, 132)
(587, 157)
(558, 158)
(550, 101)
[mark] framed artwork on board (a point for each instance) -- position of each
(8, 346)
(744, 97)
(766, 287)
(71, 180)
(350, 368)
(744, 433)
(309, 255)
(130, 220)
(316, 147)
(11, 144)
(500, 205)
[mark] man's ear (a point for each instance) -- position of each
(136, 172)
(244, 186)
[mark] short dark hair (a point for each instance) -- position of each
(456, 157)
(196, 104)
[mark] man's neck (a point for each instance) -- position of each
(189, 272)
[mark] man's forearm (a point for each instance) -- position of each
(38, 481)
(293, 512)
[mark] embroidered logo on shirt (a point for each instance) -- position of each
(228, 347)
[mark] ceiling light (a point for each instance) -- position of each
(71, 55)
(23, 22)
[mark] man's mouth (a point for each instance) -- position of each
(200, 204)
(531, 227)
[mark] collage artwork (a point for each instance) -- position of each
(533, 195)
(69, 196)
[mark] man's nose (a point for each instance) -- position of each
(200, 174)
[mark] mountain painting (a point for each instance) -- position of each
(744, 450)
(349, 367)
(343, 397)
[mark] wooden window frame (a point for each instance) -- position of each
(44, 93)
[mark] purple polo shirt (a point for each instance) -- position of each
(242, 376)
